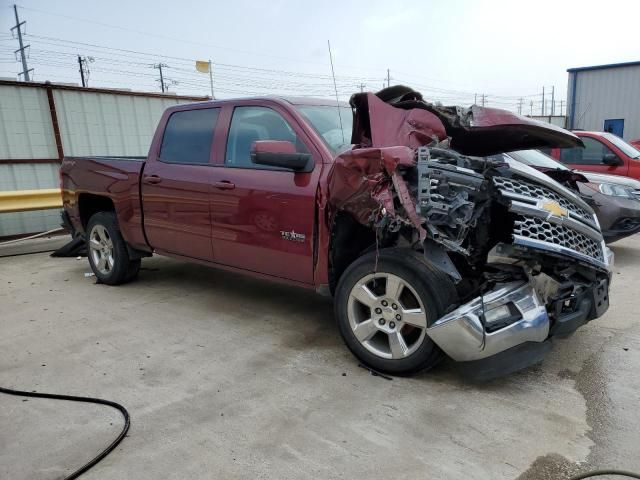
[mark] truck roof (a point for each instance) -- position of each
(271, 98)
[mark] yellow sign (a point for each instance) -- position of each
(202, 67)
(554, 208)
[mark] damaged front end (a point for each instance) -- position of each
(525, 253)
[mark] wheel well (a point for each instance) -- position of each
(349, 240)
(88, 204)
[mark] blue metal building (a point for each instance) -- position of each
(605, 98)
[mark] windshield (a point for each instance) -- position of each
(325, 120)
(535, 158)
(622, 145)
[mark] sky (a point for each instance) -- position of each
(452, 51)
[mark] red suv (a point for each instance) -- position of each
(602, 153)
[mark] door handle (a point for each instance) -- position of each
(224, 185)
(152, 179)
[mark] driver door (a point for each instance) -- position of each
(263, 217)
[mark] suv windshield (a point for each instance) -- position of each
(326, 121)
(535, 158)
(622, 145)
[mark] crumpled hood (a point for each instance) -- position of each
(399, 116)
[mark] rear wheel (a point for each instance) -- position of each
(384, 307)
(107, 250)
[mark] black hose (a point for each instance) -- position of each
(597, 473)
(72, 398)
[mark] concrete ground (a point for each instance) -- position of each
(229, 377)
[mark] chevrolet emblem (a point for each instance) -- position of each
(554, 208)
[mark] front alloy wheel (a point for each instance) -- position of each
(384, 304)
(387, 316)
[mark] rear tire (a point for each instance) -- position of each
(383, 309)
(107, 250)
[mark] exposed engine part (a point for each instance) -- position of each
(546, 286)
(440, 259)
(448, 196)
(502, 253)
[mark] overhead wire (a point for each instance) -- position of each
(53, 54)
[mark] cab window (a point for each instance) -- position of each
(250, 124)
(188, 136)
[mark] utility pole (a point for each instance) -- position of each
(80, 62)
(483, 98)
(362, 85)
(531, 108)
(561, 103)
(18, 28)
(520, 105)
(84, 62)
(543, 101)
(553, 102)
(388, 78)
(159, 67)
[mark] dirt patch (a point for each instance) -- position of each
(550, 467)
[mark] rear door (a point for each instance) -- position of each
(176, 185)
(262, 217)
(590, 158)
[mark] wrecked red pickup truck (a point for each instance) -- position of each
(428, 246)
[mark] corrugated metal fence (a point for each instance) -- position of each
(42, 122)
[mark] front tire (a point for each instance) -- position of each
(383, 307)
(107, 250)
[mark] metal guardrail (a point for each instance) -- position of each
(26, 200)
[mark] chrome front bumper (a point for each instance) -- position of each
(463, 337)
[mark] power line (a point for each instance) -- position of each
(181, 40)
(232, 78)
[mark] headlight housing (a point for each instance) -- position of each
(613, 190)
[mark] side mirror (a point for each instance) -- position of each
(612, 160)
(282, 154)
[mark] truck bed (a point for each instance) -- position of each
(109, 157)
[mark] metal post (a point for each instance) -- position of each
(553, 102)
(542, 102)
(18, 27)
(388, 78)
(80, 62)
(213, 97)
(54, 121)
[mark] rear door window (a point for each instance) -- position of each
(188, 136)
